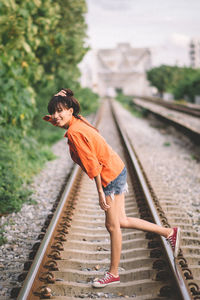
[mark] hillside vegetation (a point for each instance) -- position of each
(41, 44)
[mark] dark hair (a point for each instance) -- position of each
(67, 101)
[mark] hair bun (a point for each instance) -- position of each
(69, 92)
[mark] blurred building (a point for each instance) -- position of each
(123, 68)
(194, 53)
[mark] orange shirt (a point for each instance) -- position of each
(91, 152)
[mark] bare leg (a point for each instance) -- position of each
(113, 227)
(136, 223)
(115, 219)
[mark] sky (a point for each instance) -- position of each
(164, 26)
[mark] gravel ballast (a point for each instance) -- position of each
(180, 117)
(168, 153)
(22, 228)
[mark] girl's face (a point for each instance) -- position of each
(63, 116)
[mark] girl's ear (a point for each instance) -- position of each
(71, 110)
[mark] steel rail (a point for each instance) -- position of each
(26, 288)
(184, 291)
(192, 111)
(190, 132)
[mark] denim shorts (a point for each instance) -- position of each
(118, 185)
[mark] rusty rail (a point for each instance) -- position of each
(187, 130)
(178, 275)
(193, 110)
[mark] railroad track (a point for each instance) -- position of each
(75, 247)
(184, 118)
(190, 109)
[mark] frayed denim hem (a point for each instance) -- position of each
(124, 190)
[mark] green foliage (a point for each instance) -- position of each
(3, 240)
(41, 44)
(179, 81)
(20, 159)
(160, 77)
(127, 102)
(123, 98)
(88, 100)
(166, 144)
(189, 86)
(11, 193)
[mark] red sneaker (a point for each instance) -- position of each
(174, 240)
(107, 280)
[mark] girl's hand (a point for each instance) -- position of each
(61, 93)
(102, 201)
(102, 198)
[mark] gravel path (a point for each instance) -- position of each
(170, 155)
(23, 227)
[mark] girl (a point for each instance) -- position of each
(89, 149)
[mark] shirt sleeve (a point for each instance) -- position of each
(87, 154)
(49, 118)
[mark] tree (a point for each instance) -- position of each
(189, 86)
(160, 77)
(41, 44)
(180, 82)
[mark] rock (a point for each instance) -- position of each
(1, 266)
(100, 295)
(97, 267)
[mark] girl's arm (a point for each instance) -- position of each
(102, 198)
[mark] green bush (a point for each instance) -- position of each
(41, 44)
(188, 87)
(180, 81)
(19, 161)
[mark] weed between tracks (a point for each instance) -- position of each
(127, 103)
